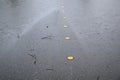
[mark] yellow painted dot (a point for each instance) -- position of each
(65, 26)
(67, 38)
(65, 17)
(70, 58)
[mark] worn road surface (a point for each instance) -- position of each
(36, 48)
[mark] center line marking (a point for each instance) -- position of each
(67, 38)
(65, 17)
(65, 26)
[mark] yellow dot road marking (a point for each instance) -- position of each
(65, 17)
(65, 26)
(70, 58)
(67, 38)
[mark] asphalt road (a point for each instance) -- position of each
(40, 52)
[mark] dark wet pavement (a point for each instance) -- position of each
(39, 51)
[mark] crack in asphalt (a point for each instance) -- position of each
(47, 37)
(34, 57)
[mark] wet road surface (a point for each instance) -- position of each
(88, 30)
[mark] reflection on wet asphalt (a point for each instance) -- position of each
(59, 40)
